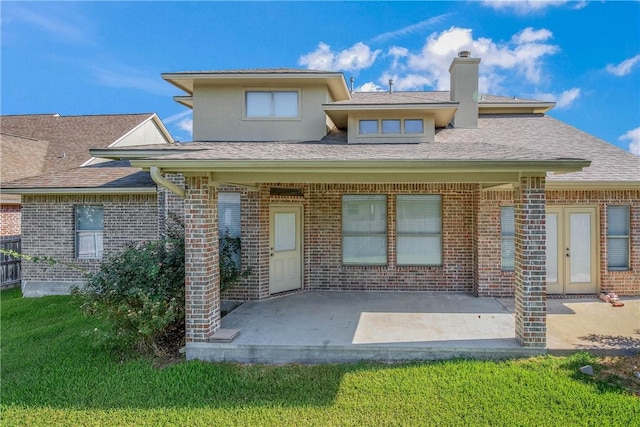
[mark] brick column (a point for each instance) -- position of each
(530, 263)
(202, 269)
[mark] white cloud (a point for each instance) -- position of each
(562, 100)
(397, 53)
(65, 23)
(409, 29)
(119, 75)
(524, 7)
(529, 35)
(186, 125)
(355, 58)
(370, 87)
(623, 68)
(177, 116)
(633, 136)
(523, 54)
(412, 81)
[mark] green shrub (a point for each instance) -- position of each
(230, 269)
(140, 294)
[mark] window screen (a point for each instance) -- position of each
(413, 126)
(507, 237)
(419, 230)
(618, 237)
(272, 104)
(364, 229)
(89, 229)
(229, 225)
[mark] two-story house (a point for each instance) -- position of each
(332, 189)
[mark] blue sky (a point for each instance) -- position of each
(106, 57)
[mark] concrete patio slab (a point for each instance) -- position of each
(325, 327)
(316, 327)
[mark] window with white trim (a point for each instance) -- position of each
(229, 224)
(618, 232)
(364, 229)
(419, 230)
(390, 126)
(271, 104)
(507, 238)
(89, 230)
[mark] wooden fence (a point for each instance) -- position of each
(10, 267)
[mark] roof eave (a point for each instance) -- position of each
(400, 166)
(80, 190)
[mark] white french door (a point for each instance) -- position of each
(572, 266)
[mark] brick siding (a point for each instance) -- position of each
(620, 282)
(471, 240)
(49, 230)
(9, 220)
(202, 274)
(530, 263)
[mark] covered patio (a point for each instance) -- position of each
(332, 327)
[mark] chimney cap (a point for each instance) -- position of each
(464, 54)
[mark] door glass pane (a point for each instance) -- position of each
(552, 248)
(580, 244)
(285, 231)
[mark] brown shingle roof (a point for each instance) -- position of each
(420, 97)
(21, 157)
(555, 139)
(498, 137)
(108, 175)
(68, 138)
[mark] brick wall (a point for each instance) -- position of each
(9, 220)
(202, 274)
(530, 262)
(491, 280)
(48, 222)
(620, 282)
(323, 269)
(170, 204)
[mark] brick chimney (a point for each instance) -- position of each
(464, 89)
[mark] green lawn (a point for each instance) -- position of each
(51, 375)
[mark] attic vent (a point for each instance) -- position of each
(464, 54)
(280, 191)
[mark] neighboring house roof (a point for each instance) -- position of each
(107, 177)
(69, 138)
(21, 156)
(39, 144)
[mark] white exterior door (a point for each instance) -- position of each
(571, 250)
(285, 248)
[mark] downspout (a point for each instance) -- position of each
(157, 177)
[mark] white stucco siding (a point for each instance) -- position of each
(219, 115)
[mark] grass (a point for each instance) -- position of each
(52, 375)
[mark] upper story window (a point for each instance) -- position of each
(272, 104)
(89, 228)
(390, 126)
